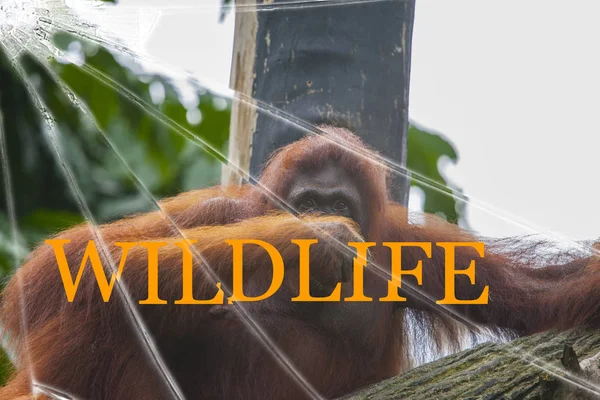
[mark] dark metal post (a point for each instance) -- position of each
(342, 63)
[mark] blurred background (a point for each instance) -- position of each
(510, 86)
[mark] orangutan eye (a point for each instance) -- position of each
(307, 205)
(340, 206)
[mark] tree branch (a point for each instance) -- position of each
(526, 368)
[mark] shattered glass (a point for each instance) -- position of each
(83, 69)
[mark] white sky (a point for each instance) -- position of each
(514, 84)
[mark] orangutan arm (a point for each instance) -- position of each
(521, 297)
(42, 288)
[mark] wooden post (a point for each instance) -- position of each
(243, 116)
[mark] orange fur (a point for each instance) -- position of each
(90, 349)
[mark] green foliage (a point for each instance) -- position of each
(225, 9)
(6, 368)
(160, 159)
(425, 150)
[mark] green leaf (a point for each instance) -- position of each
(50, 220)
(425, 149)
(6, 368)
